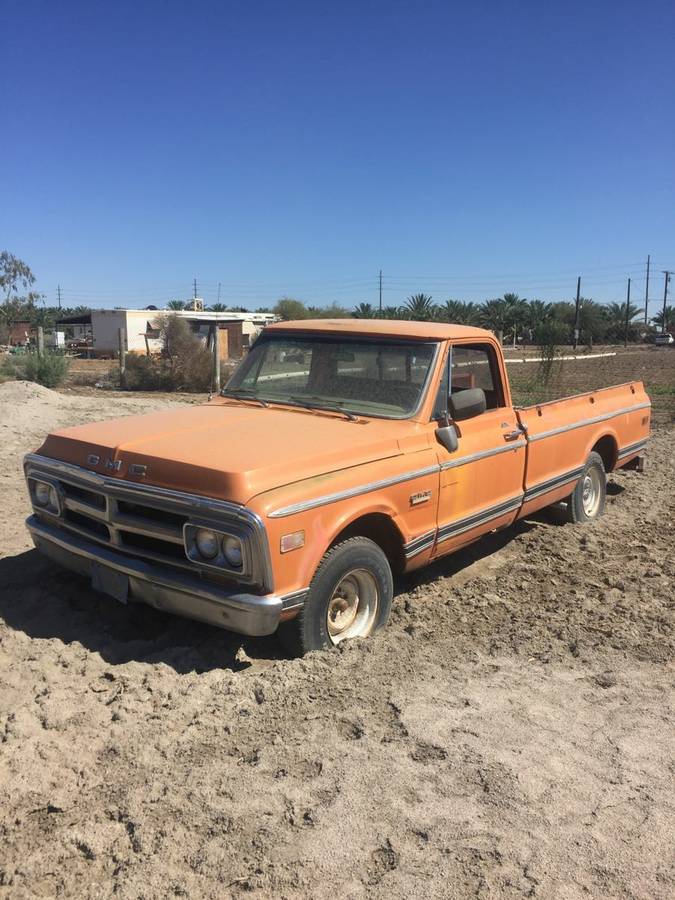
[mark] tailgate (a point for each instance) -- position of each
(562, 433)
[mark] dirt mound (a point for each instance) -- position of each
(508, 734)
(22, 392)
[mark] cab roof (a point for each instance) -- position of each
(396, 328)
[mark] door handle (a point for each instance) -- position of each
(514, 435)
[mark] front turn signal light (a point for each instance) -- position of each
(292, 541)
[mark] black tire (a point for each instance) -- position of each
(579, 509)
(310, 629)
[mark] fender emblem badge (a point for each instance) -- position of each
(113, 464)
(421, 497)
(93, 460)
(137, 469)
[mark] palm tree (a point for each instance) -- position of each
(218, 307)
(616, 313)
(496, 315)
(538, 313)
(592, 321)
(175, 305)
(670, 318)
(451, 311)
(517, 313)
(363, 311)
(419, 307)
(390, 312)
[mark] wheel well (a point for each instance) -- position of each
(607, 448)
(382, 531)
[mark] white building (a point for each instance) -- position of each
(140, 326)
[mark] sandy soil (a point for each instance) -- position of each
(510, 734)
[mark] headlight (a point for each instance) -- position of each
(207, 543)
(224, 550)
(45, 496)
(43, 493)
(233, 552)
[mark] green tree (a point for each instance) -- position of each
(289, 309)
(363, 311)
(334, 311)
(537, 314)
(592, 321)
(670, 318)
(420, 307)
(175, 305)
(496, 315)
(615, 315)
(217, 307)
(458, 312)
(15, 275)
(516, 314)
(389, 312)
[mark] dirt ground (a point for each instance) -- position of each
(509, 734)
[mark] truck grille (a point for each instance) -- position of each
(153, 532)
(147, 521)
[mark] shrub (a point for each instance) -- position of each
(185, 363)
(50, 369)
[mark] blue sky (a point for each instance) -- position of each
(464, 149)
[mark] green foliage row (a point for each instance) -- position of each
(534, 321)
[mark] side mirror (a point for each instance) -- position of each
(447, 436)
(467, 404)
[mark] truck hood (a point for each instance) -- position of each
(223, 449)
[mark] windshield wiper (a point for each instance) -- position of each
(318, 403)
(243, 394)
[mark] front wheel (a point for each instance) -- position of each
(350, 596)
(587, 501)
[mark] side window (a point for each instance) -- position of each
(475, 366)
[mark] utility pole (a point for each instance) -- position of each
(649, 259)
(218, 292)
(58, 294)
(625, 329)
(576, 314)
(380, 290)
(194, 285)
(665, 297)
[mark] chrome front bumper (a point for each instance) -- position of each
(160, 586)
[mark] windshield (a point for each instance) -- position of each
(382, 378)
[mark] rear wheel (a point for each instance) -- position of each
(350, 596)
(587, 501)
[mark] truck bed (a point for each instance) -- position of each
(561, 433)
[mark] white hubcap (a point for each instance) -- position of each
(591, 492)
(353, 607)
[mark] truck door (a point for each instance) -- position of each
(481, 483)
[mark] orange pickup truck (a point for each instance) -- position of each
(339, 452)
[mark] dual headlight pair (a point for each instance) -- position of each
(210, 544)
(221, 549)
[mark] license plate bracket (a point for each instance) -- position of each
(108, 581)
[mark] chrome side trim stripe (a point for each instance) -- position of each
(412, 548)
(552, 483)
(485, 515)
(483, 454)
(351, 492)
(631, 448)
(593, 421)
(387, 482)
